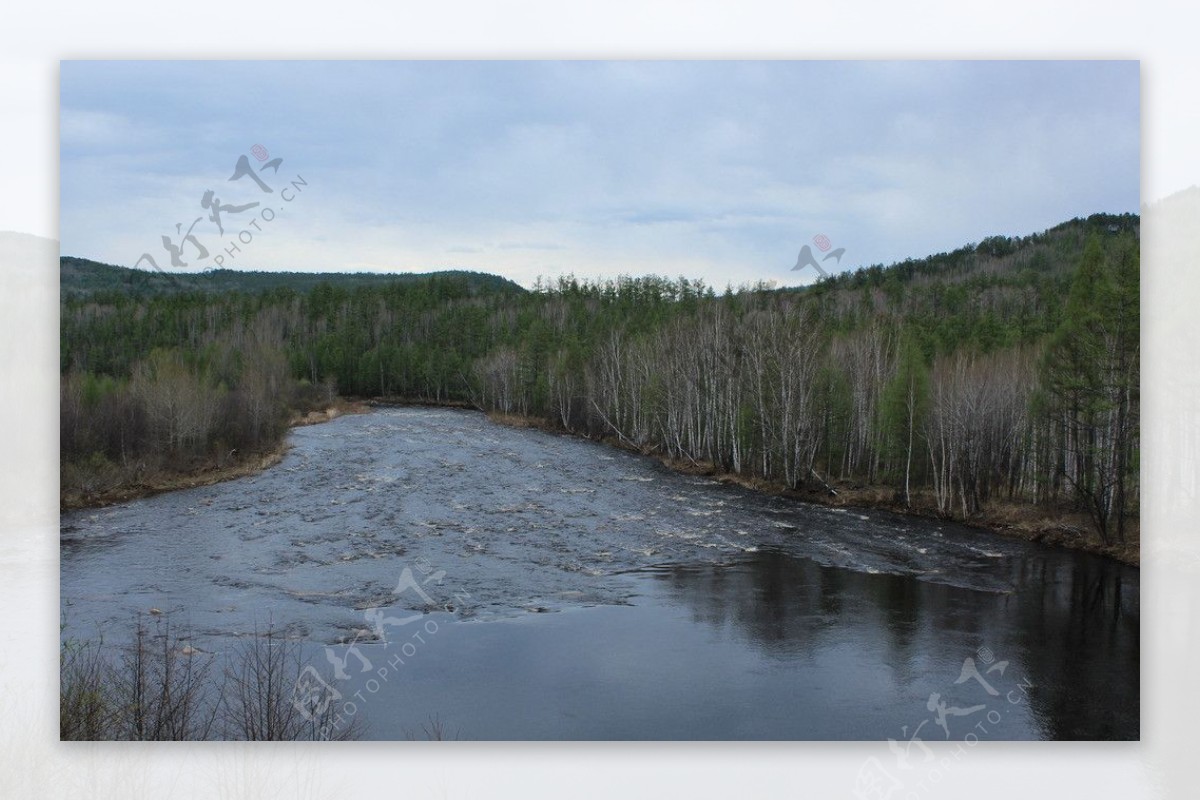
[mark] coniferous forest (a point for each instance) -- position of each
(1002, 373)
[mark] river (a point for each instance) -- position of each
(515, 584)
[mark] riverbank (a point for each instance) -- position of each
(1051, 526)
(113, 487)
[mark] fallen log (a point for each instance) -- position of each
(821, 481)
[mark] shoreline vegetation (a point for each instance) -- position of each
(210, 472)
(1059, 527)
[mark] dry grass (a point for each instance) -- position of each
(518, 421)
(338, 408)
(1061, 527)
(82, 493)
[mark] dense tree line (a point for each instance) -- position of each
(1004, 370)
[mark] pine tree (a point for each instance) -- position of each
(1090, 375)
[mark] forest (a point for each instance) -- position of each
(1005, 371)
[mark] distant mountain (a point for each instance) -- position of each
(82, 277)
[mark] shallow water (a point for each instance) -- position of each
(562, 589)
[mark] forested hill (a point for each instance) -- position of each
(1052, 251)
(80, 277)
(1004, 371)
(998, 292)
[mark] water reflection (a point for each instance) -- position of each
(1071, 626)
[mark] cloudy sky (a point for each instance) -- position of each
(717, 170)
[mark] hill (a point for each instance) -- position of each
(83, 277)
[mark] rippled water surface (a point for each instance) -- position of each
(557, 588)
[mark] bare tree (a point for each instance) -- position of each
(181, 405)
(257, 701)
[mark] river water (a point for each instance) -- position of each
(514, 584)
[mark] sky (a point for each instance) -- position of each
(720, 170)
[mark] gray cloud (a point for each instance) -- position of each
(713, 168)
